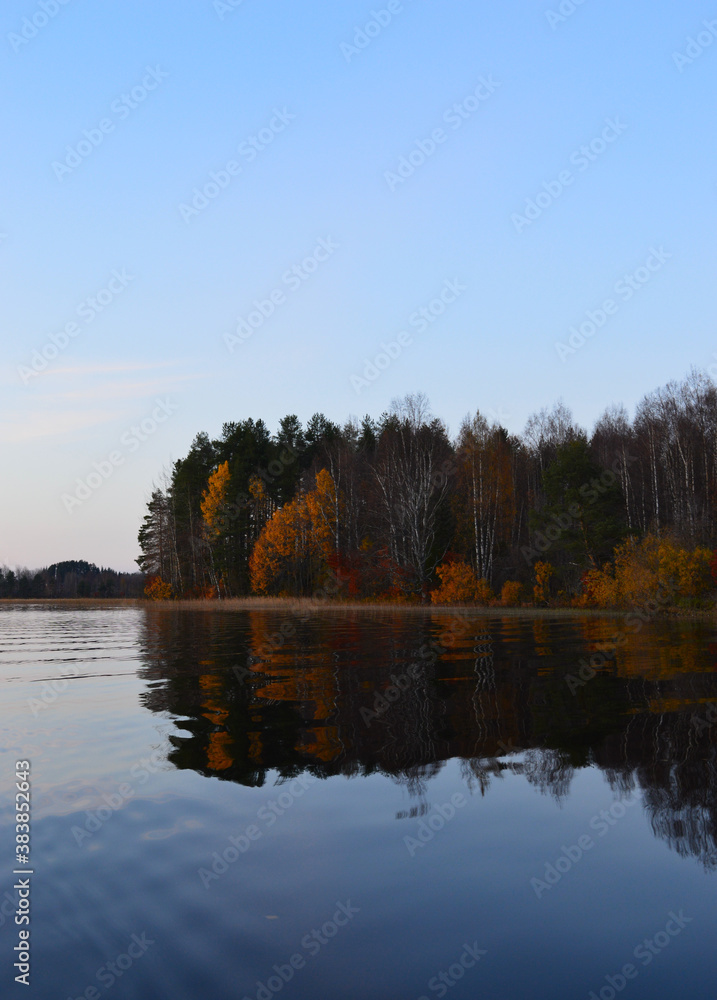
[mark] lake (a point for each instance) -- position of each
(359, 804)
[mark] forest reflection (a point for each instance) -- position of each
(256, 694)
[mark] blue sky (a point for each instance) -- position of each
(170, 93)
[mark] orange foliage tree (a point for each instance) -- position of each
(297, 543)
(279, 558)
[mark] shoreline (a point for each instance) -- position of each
(311, 605)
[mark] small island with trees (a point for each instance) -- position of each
(393, 510)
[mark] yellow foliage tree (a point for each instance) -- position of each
(214, 499)
(325, 507)
(541, 590)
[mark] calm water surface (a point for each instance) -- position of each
(360, 805)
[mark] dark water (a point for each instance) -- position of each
(254, 805)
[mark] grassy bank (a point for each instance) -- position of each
(306, 605)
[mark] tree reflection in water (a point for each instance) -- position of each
(324, 700)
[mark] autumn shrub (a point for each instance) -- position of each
(459, 584)
(157, 590)
(684, 571)
(483, 592)
(599, 588)
(650, 570)
(510, 593)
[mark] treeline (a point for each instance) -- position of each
(395, 507)
(73, 578)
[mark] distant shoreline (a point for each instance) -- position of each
(89, 602)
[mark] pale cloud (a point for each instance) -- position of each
(9, 374)
(29, 425)
(52, 405)
(110, 368)
(65, 401)
(122, 390)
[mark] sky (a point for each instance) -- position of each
(220, 210)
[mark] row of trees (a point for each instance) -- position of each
(376, 507)
(72, 578)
